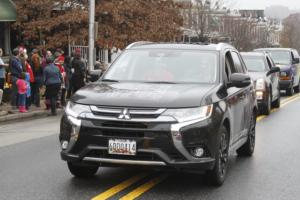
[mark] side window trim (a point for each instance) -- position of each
(269, 62)
(238, 69)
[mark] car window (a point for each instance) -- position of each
(296, 54)
(237, 62)
(228, 66)
(165, 65)
(280, 57)
(254, 63)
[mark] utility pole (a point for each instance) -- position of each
(91, 35)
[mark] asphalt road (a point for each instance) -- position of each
(30, 167)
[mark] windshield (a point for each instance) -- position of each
(281, 57)
(162, 65)
(254, 64)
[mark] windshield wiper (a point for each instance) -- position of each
(110, 80)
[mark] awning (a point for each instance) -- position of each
(8, 11)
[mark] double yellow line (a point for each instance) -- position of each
(158, 177)
(131, 181)
(283, 103)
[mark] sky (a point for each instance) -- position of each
(262, 4)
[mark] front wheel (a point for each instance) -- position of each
(82, 171)
(217, 175)
(248, 148)
(266, 110)
(276, 103)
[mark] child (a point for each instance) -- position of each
(21, 84)
(28, 91)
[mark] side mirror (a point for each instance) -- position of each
(296, 60)
(94, 75)
(273, 70)
(239, 80)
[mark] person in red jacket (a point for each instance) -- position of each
(28, 69)
(59, 62)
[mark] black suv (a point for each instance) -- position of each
(180, 106)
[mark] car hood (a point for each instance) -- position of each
(142, 95)
(257, 75)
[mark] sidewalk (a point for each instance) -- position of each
(7, 114)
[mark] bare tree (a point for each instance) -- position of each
(290, 36)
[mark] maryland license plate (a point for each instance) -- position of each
(122, 147)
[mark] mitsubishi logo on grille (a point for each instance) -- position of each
(124, 114)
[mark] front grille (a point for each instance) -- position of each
(133, 113)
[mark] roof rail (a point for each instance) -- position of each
(220, 45)
(138, 44)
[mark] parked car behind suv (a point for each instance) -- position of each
(288, 61)
(181, 106)
(265, 75)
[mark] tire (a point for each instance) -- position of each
(248, 148)
(82, 171)
(276, 103)
(290, 91)
(218, 173)
(266, 109)
(297, 88)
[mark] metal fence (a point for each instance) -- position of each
(84, 51)
(101, 55)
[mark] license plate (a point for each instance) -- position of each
(122, 147)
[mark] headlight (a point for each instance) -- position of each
(283, 74)
(260, 84)
(77, 110)
(188, 114)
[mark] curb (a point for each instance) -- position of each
(29, 115)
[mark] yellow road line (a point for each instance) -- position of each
(290, 101)
(118, 188)
(145, 187)
(283, 103)
(259, 118)
(290, 98)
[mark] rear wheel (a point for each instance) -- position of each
(217, 175)
(297, 88)
(82, 171)
(290, 91)
(248, 148)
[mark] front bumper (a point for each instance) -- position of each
(158, 144)
(285, 84)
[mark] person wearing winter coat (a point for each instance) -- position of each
(16, 70)
(28, 91)
(78, 75)
(38, 77)
(22, 88)
(52, 80)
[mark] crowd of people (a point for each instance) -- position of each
(26, 74)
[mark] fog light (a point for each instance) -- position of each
(64, 145)
(198, 152)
